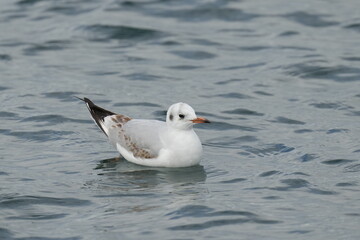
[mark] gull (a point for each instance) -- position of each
(153, 143)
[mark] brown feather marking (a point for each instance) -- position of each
(114, 119)
(122, 118)
(137, 151)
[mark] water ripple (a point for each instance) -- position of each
(233, 95)
(235, 180)
(199, 211)
(269, 173)
(269, 149)
(298, 183)
(331, 105)
(287, 121)
(311, 20)
(308, 157)
(38, 216)
(51, 119)
(2, 88)
(100, 32)
(230, 142)
(142, 77)
(194, 55)
(337, 161)
(55, 45)
(337, 73)
(38, 136)
(207, 13)
(354, 26)
(221, 126)
(352, 168)
(243, 111)
(8, 235)
(136, 104)
(9, 115)
(5, 57)
(21, 201)
(63, 96)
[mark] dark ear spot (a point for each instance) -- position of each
(171, 117)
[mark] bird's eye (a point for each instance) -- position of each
(181, 116)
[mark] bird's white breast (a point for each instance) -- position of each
(183, 147)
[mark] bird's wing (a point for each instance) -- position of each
(140, 137)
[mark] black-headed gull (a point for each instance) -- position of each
(151, 142)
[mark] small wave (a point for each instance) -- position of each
(288, 34)
(63, 96)
(354, 26)
(55, 45)
(207, 13)
(354, 113)
(352, 59)
(38, 136)
(142, 104)
(3, 173)
(331, 105)
(337, 130)
(194, 55)
(263, 93)
(233, 80)
(28, 2)
(235, 180)
(199, 211)
(253, 65)
(51, 119)
(338, 73)
(292, 183)
(352, 168)
(269, 149)
(307, 157)
(184, 67)
(5, 57)
(234, 95)
(142, 77)
(221, 126)
(20, 201)
(243, 111)
(311, 20)
(69, 9)
(38, 216)
(9, 115)
(254, 48)
(299, 183)
(287, 121)
(229, 142)
(100, 32)
(346, 184)
(337, 161)
(270, 173)
(303, 131)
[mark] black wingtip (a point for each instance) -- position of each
(82, 99)
(97, 113)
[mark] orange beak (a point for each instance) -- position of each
(200, 120)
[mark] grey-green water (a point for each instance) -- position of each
(280, 80)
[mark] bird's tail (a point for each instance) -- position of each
(97, 113)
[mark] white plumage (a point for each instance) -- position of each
(154, 143)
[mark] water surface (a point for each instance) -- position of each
(278, 79)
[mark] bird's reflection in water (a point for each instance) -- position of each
(123, 174)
